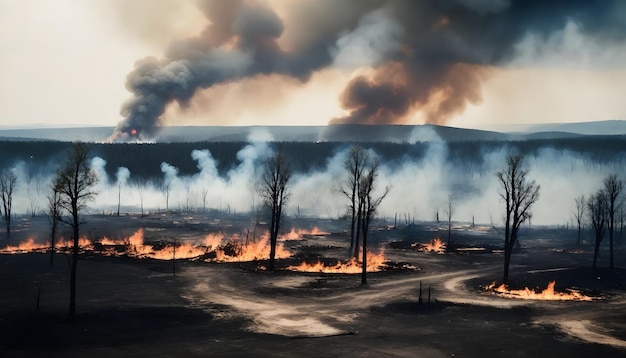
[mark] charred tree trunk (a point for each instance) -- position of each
(72, 309)
(364, 260)
(596, 250)
(53, 235)
(272, 240)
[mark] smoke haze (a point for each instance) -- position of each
(420, 183)
(404, 60)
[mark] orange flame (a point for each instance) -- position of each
(232, 250)
(548, 294)
(27, 246)
(375, 263)
(31, 246)
(297, 234)
(435, 245)
(250, 251)
(83, 243)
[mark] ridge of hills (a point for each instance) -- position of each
(332, 133)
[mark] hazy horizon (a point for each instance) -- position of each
(277, 62)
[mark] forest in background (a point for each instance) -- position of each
(144, 159)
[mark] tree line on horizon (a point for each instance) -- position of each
(143, 160)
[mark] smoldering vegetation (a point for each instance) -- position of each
(206, 176)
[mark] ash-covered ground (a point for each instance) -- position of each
(128, 306)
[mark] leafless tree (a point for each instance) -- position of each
(119, 198)
(141, 186)
(369, 205)
(519, 194)
(166, 191)
(449, 211)
(579, 215)
(205, 192)
(274, 191)
(54, 215)
(187, 197)
(122, 176)
(8, 179)
(33, 190)
(598, 216)
(74, 182)
(613, 187)
(354, 165)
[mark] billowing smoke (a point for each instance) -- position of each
(420, 183)
(409, 59)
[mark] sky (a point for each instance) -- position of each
(465, 63)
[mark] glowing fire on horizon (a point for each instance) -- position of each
(231, 249)
(375, 263)
(435, 245)
(298, 234)
(31, 246)
(548, 294)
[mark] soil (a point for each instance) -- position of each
(128, 307)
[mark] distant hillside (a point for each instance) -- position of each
(613, 127)
(335, 133)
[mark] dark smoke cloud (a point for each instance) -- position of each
(426, 57)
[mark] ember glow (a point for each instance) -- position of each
(238, 251)
(435, 245)
(23, 247)
(298, 234)
(225, 249)
(375, 263)
(548, 294)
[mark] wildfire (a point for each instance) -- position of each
(31, 246)
(27, 246)
(225, 249)
(236, 251)
(297, 234)
(375, 263)
(435, 245)
(548, 294)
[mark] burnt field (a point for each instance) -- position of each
(133, 303)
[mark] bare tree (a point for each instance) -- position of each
(187, 197)
(597, 211)
(369, 205)
(519, 194)
(205, 192)
(8, 179)
(122, 177)
(54, 215)
(166, 191)
(354, 165)
(274, 191)
(74, 182)
(449, 211)
(140, 184)
(613, 188)
(33, 190)
(579, 215)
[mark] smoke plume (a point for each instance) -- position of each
(409, 59)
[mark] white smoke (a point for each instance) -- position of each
(420, 185)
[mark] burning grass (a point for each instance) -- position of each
(214, 247)
(23, 247)
(548, 294)
(435, 245)
(375, 263)
(299, 234)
